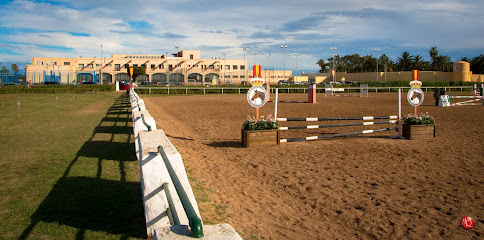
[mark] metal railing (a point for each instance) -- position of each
(240, 90)
(194, 221)
(145, 123)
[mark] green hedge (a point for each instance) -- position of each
(56, 88)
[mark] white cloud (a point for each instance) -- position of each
(306, 26)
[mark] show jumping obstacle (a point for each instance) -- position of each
(471, 102)
(328, 89)
(311, 96)
(393, 120)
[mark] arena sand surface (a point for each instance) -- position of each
(359, 187)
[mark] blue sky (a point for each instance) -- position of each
(67, 28)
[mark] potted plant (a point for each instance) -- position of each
(418, 127)
(260, 132)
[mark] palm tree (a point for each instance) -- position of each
(322, 65)
(419, 63)
(15, 68)
(4, 70)
(434, 53)
(405, 61)
(442, 63)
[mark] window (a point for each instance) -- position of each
(117, 67)
(89, 66)
(40, 63)
(162, 66)
(227, 76)
(152, 66)
(80, 65)
(67, 63)
(170, 67)
(97, 64)
(234, 67)
(227, 66)
(242, 76)
(242, 67)
(126, 65)
(191, 56)
(135, 65)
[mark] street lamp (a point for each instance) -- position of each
(177, 50)
(296, 54)
(245, 66)
(284, 54)
(101, 70)
(254, 53)
(334, 60)
(223, 69)
(377, 50)
(268, 65)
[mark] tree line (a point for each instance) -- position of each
(406, 62)
(6, 71)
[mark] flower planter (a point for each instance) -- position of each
(416, 132)
(260, 138)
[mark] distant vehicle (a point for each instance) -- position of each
(167, 84)
(206, 84)
(229, 83)
(148, 83)
(124, 86)
(281, 82)
(305, 83)
(88, 83)
(51, 83)
(335, 83)
(243, 82)
(297, 83)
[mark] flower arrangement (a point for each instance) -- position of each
(267, 123)
(421, 119)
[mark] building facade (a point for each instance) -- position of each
(184, 67)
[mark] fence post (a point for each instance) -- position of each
(56, 101)
(18, 109)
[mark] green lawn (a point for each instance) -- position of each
(68, 168)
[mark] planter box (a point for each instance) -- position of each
(416, 132)
(260, 138)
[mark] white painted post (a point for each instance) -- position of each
(399, 112)
(277, 99)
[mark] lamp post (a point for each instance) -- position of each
(101, 70)
(334, 60)
(254, 53)
(377, 50)
(223, 69)
(245, 66)
(268, 65)
(177, 50)
(296, 54)
(284, 54)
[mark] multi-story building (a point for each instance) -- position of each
(183, 67)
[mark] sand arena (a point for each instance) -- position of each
(358, 187)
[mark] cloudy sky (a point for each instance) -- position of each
(65, 28)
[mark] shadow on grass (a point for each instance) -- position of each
(96, 204)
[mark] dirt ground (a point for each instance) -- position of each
(358, 187)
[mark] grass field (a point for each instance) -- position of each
(68, 168)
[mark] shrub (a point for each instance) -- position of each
(421, 119)
(267, 123)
